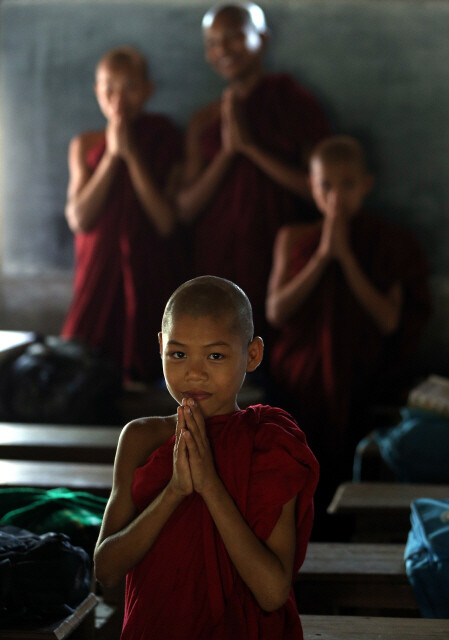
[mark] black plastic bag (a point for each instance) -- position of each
(42, 577)
(57, 380)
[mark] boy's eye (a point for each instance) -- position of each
(178, 355)
(216, 356)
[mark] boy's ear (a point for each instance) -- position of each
(255, 354)
(159, 337)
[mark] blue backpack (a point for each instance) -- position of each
(416, 450)
(426, 556)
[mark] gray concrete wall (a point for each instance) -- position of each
(380, 68)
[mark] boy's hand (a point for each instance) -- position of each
(340, 237)
(235, 133)
(181, 479)
(118, 137)
(334, 242)
(201, 461)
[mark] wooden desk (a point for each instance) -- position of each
(370, 628)
(343, 577)
(77, 626)
(381, 510)
(60, 443)
(13, 343)
(94, 478)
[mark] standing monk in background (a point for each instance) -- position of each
(246, 164)
(119, 209)
(350, 295)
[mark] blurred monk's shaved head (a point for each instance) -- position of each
(339, 150)
(125, 57)
(215, 298)
(242, 13)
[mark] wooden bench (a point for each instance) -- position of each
(13, 343)
(373, 628)
(78, 476)
(79, 625)
(381, 510)
(346, 577)
(60, 443)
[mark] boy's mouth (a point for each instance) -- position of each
(196, 394)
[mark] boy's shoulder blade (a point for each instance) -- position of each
(206, 115)
(145, 435)
(289, 234)
(88, 139)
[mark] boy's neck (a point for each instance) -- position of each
(244, 86)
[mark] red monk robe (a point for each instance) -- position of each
(125, 271)
(330, 357)
(234, 236)
(186, 586)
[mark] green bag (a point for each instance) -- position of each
(78, 514)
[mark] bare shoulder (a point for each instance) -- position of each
(83, 142)
(288, 234)
(139, 438)
(204, 117)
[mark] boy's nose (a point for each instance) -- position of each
(221, 47)
(335, 197)
(195, 371)
(117, 99)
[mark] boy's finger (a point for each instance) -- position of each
(199, 418)
(194, 415)
(180, 423)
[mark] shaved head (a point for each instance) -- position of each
(339, 149)
(125, 57)
(244, 13)
(213, 297)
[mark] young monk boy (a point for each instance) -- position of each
(246, 157)
(211, 508)
(350, 296)
(118, 207)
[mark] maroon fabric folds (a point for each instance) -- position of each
(125, 271)
(233, 237)
(186, 586)
(330, 355)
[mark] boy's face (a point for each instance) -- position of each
(233, 49)
(121, 91)
(205, 360)
(339, 188)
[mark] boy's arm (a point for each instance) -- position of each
(291, 177)
(124, 538)
(266, 568)
(87, 191)
(155, 202)
(285, 295)
(384, 308)
(200, 183)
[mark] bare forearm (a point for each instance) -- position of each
(116, 554)
(84, 206)
(156, 204)
(290, 177)
(283, 301)
(257, 565)
(194, 197)
(384, 311)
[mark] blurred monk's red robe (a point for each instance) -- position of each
(187, 586)
(124, 270)
(234, 235)
(331, 361)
